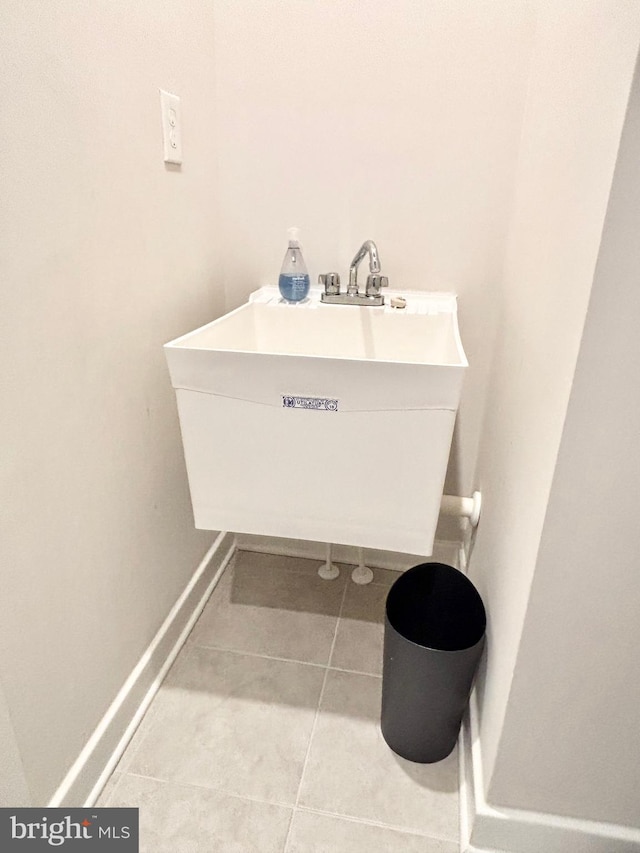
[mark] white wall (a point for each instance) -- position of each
(397, 122)
(105, 255)
(14, 790)
(574, 710)
(583, 59)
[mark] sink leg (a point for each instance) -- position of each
(327, 570)
(361, 574)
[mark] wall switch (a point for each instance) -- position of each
(171, 127)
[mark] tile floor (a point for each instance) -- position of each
(265, 735)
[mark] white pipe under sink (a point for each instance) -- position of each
(451, 505)
(462, 507)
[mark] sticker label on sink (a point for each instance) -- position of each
(323, 404)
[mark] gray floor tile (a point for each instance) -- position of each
(254, 561)
(316, 833)
(351, 771)
(228, 725)
(180, 819)
(385, 577)
(360, 635)
(233, 722)
(263, 607)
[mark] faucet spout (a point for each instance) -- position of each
(371, 295)
(370, 248)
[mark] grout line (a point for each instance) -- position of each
(286, 660)
(216, 789)
(289, 828)
(324, 684)
(353, 819)
(355, 672)
(256, 655)
(315, 719)
(293, 807)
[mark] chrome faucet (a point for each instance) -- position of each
(374, 264)
(375, 281)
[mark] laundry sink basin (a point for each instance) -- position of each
(324, 422)
(425, 333)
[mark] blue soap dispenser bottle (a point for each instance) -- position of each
(294, 279)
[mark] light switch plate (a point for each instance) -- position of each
(171, 127)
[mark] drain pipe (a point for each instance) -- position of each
(361, 574)
(450, 505)
(327, 570)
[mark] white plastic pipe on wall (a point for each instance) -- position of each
(450, 505)
(463, 507)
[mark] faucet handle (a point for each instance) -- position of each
(375, 282)
(330, 282)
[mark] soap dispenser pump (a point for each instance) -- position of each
(294, 279)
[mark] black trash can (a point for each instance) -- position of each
(433, 638)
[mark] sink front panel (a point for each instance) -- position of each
(347, 477)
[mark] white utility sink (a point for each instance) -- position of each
(324, 422)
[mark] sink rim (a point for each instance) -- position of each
(268, 298)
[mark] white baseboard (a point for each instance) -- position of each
(84, 782)
(443, 551)
(488, 829)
